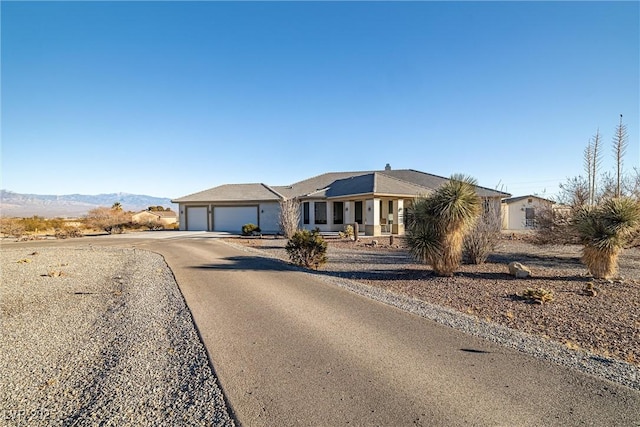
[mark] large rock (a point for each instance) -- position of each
(518, 270)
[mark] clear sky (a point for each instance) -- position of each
(170, 98)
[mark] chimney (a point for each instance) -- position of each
(387, 167)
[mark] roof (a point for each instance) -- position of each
(402, 182)
(315, 184)
(232, 193)
(371, 183)
(162, 214)
(432, 182)
(517, 199)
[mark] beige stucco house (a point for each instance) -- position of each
(375, 200)
(519, 213)
(163, 217)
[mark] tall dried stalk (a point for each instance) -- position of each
(289, 216)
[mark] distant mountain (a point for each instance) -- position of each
(73, 205)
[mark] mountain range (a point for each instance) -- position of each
(73, 205)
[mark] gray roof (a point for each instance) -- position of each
(371, 183)
(402, 182)
(517, 199)
(232, 193)
(314, 184)
(434, 181)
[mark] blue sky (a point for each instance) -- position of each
(170, 98)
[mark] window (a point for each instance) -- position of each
(320, 211)
(305, 214)
(486, 205)
(338, 212)
(529, 217)
(358, 212)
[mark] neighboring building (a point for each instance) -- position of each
(376, 200)
(519, 213)
(164, 217)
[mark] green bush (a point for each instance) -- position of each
(249, 229)
(307, 249)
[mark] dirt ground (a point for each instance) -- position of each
(607, 324)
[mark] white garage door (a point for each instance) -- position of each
(197, 219)
(233, 218)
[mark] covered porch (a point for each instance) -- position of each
(375, 216)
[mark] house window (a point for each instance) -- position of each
(529, 217)
(305, 212)
(338, 212)
(486, 206)
(320, 211)
(358, 212)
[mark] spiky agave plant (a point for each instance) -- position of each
(604, 231)
(440, 222)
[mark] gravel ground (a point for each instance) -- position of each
(599, 334)
(100, 337)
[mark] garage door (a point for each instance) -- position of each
(233, 218)
(197, 219)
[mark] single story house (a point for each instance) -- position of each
(164, 217)
(519, 213)
(376, 200)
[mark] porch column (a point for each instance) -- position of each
(398, 217)
(349, 212)
(372, 217)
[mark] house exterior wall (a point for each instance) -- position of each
(150, 216)
(514, 213)
(268, 214)
(269, 218)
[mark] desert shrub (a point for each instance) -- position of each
(439, 223)
(154, 224)
(38, 223)
(289, 217)
(250, 229)
(484, 236)
(348, 233)
(537, 296)
(604, 231)
(111, 220)
(554, 226)
(68, 232)
(11, 227)
(307, 249)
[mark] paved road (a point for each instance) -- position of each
(291, 349)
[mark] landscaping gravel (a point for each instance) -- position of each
(100, 337)
(598, 335)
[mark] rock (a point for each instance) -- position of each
(518, 270)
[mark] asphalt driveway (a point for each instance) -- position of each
(291, 349)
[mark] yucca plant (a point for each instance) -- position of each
(438, 224)
(604, 230)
